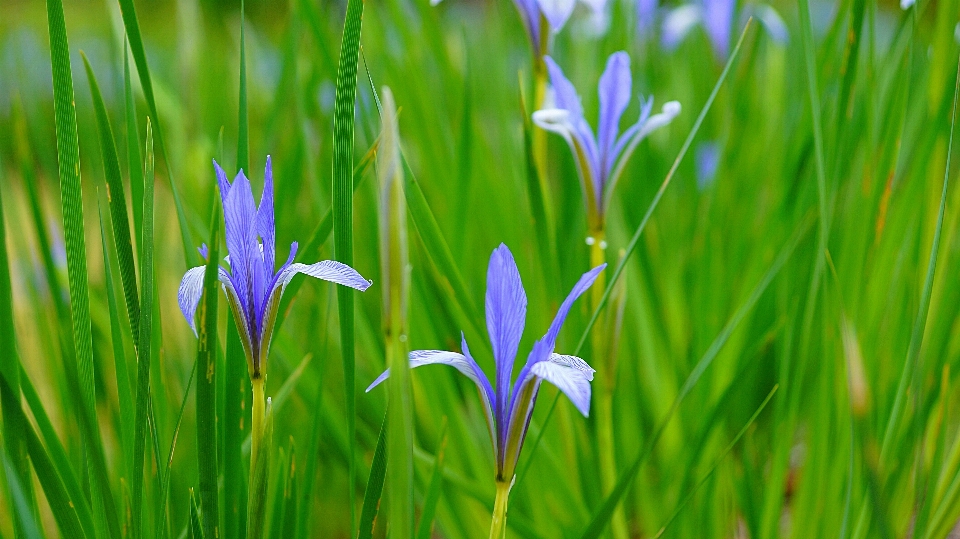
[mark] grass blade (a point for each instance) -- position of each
(196, 527)
(916, 336)
(161, 514)
(606, 509)
(207, 382)
(15, 450)
(145, 350)
(371, 497)
(124, 393)
(71, 200)
(132, 27)
(716, 464)
(134, 162)
(118, 203)
(343, 130)
(432, 498)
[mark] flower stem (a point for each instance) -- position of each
(256, 424)
(498, 526)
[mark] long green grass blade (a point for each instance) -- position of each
(71, 200)
(371, 496)
(124, 393)
(206, 399)
(343, 130)
(57, 458)
(15, 450)
(132, 27)
(432, 497)
(602, 516)
(145, 347)
(162, 513)
(25, 523)
(716, 464)
(134, 162)
(118, 203)
(912, 364)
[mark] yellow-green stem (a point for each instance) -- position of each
(256, 423)
(498, 526)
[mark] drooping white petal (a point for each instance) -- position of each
(188, 296)
(557, 12)
(571, 375)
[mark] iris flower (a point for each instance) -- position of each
(508, 409)
(549, 15)
(717, 17)
(600, 159)
(252, 284)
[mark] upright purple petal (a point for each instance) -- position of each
(557, 12)
(222, 183)
(239, 214)
(266, 227)
(506, 310)
(564, 94)
(717, 20)
(646, 14)
(614, 90)
(707, 160)
(530, 15)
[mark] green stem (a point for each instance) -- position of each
(256, 423)
(498, 525)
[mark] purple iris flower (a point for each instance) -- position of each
(717, 18)
(601, 159)
(507, 410)
(252, 285)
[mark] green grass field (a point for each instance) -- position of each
(777, 352)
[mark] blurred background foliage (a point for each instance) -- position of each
(832, 330)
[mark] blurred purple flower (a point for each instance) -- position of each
(252, 286)
(716, 17)
(507, 410)
(646, 17)
(601, 159)
(707, 160)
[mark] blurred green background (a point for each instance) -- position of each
(832, 330)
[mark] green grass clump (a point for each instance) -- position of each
(786, 330)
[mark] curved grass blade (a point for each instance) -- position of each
(432, 498)
(206, 396)
(118, 203)
(25, 525)
(71, 200)
(196, 527)
(441, 256)
(15, 451)
(371, 497)
(161, 514)
(58, 456)
(124, 394)
(606, 509)
(134, 163)
(343, 130)
(716, 464)
(916, 336)
(145, 349)
(129, 14)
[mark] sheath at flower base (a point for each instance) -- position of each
(600, 159)
(508, 409)
(252, 284)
